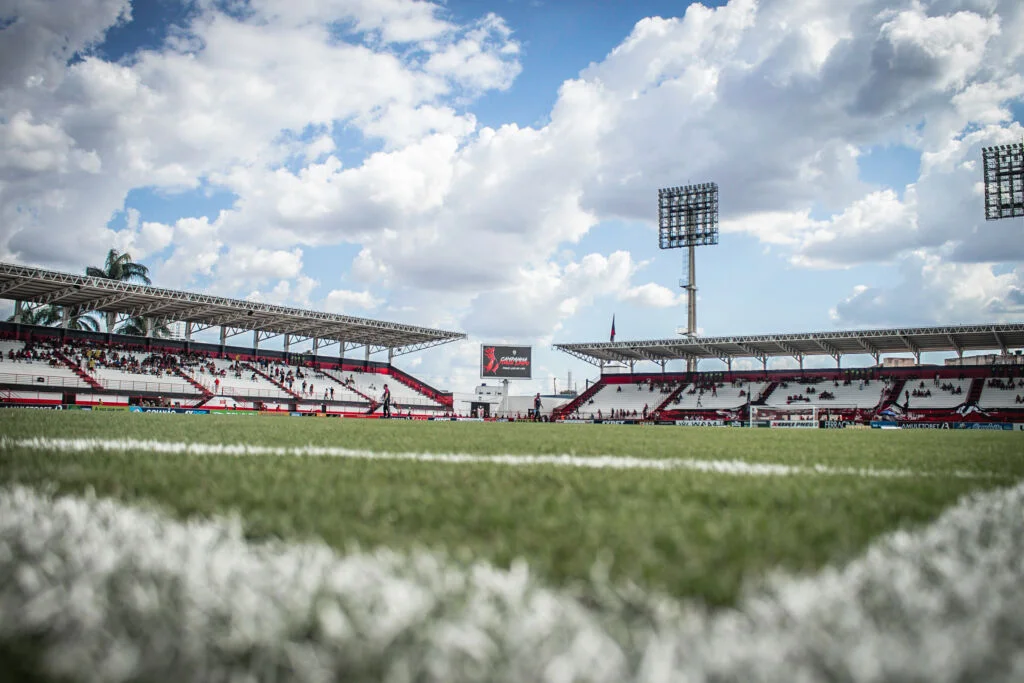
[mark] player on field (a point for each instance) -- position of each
(385, 401)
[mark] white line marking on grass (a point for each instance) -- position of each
(98, 591)
(621, 462)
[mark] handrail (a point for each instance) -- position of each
(48, 380)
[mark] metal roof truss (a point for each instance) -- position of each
(83, 293)
(951, 338)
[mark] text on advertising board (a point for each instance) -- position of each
(505, 362)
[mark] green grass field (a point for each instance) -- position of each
(456, 552)
(692, 534)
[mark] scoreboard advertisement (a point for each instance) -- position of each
(506, 362)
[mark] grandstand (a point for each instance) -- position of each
(87, 368)
(57, 365)
(992, 392)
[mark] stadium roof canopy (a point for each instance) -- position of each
(81, 293)
(915, 340)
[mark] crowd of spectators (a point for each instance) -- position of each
(1007, 385)
(32, 353)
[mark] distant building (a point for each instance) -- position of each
(989, 359)
(898, 363)
(176, 331)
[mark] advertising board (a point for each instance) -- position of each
(506, 362)
(793, 424)
(169, 411)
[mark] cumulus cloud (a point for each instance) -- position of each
(211, 103)
(38, 38)
(932, 291)
(466, 225)
(344, 301)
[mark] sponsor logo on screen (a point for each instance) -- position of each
(506, 362)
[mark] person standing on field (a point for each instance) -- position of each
(385, 400)
(536, 407)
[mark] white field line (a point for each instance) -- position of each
(620, 462)
(97, 591)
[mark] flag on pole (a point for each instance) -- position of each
(613, 328)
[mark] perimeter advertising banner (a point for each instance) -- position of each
(505, 362)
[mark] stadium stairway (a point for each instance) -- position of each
(273, 381)
(207, 394)
(573, 405)
(85, 376)
(330, 377)
(664, 405)
(894, 396)
(974, 395)
(763, 398)
(421, 387)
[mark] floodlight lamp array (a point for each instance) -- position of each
(1004, 181)
(688, 216)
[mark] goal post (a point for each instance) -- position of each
(787, 417)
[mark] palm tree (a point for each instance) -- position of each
(43, 315)
(79, 321)
(119, 266)
(137, 327)
(54, 315)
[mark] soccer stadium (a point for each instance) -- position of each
(200, 487)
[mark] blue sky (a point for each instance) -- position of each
(492, 167)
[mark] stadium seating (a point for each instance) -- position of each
(323, 379)
(372, 385)
(828, 394)
(725, 396)
(45, 371)
(142, 380)
(624, 397)
(240, 384)
(953, 396)
(1000, 394)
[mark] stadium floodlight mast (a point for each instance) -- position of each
(688, 217)
(1004, 181)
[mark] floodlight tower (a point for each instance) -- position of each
(688, 217)
(1004, 181)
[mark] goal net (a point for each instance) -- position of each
(791, 416)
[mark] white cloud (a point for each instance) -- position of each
(287, 292)
(42, 36)
(214, 100)
(652, 295)
(344, 300)
(467, 225)
(932, 291)
(242, 263)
